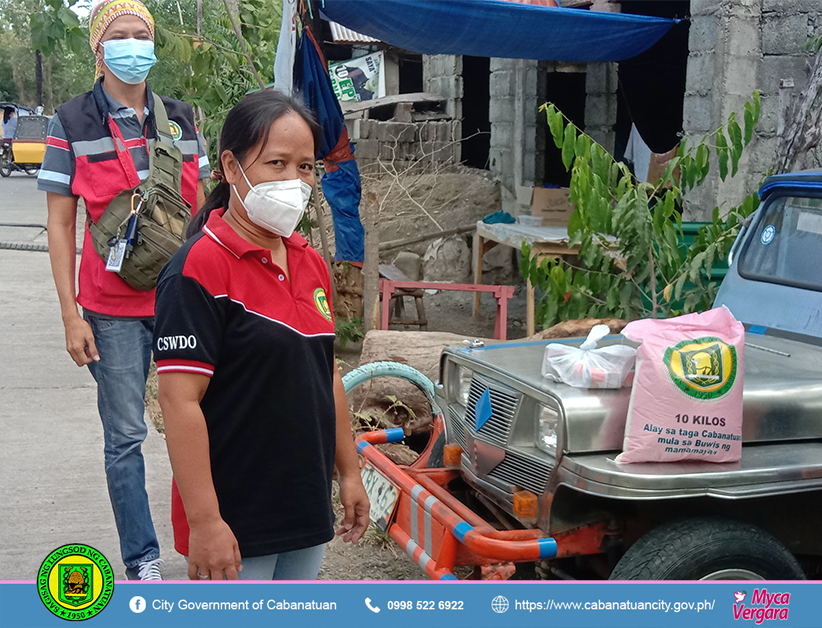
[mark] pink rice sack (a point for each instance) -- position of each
(686, 400)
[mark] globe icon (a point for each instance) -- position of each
(499, 604)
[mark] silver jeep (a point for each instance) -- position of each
(755, 519)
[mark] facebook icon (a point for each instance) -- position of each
(137, 604)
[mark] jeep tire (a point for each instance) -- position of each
(708, 548)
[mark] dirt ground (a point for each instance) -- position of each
(375, 557)
(416, 204)
(458, 197)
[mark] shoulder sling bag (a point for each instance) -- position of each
(142, 227)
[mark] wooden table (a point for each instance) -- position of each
(544, 242)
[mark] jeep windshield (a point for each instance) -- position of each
(786, 246)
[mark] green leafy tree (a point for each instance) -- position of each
(632, 260)
(200, 58)
(56, 27)
(209, 69)
(29, 25)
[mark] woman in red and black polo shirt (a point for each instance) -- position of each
(255, 411)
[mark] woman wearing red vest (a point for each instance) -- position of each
(98, 147)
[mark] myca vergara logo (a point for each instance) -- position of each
(75, 582)
(321, 301)
(764, 606)
(702, 368)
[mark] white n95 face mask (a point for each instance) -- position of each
(276, 206)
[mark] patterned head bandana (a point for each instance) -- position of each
(104, 13)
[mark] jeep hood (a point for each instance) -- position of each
(782, 390)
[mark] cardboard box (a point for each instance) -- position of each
(553, 205)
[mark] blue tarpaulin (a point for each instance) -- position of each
(311, 80)
(341, 181)
(497, 28)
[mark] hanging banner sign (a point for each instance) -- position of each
(358, 79)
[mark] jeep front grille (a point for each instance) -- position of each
(504, 403)
(457, 427)
(525, 472)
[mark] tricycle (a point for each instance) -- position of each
(534, 488)
(24, 152)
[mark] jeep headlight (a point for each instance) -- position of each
(460, 384)
(547, 421)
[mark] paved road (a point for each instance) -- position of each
(21, 203)
(52, 481)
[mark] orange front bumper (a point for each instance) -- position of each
(439, 532)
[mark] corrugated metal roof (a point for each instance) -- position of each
(342, 35)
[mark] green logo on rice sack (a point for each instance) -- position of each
(703, 368)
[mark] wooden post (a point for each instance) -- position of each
(479, 243)
(371, 262)
(395, 244)
(324, 238)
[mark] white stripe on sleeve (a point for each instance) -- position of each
(58, 177)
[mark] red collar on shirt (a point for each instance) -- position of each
(223, 234)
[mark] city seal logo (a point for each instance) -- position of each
(321, 301)
(703, 368)
(75, 582)
(176, 131)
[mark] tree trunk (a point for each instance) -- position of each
(48, 86)
(371, 262)
(239, 33)
(318, 210)
(39, 71)
(18, 83)
(804, 128)
(199, 18)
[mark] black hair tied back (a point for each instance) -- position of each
(247, 125)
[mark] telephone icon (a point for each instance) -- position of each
(373, 609)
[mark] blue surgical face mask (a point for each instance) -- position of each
(129, 59)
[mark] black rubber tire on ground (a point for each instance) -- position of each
(435, 460)
(32, 172)
(704, 547)
(5, 168)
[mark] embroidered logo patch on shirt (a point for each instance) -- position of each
(176, 131)
(321, 301)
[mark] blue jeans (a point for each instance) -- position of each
(301, 564)
(124, 346)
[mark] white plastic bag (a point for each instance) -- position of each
(586, 366)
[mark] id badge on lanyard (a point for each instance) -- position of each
(120, 248)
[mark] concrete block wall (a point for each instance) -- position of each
(737, 46)
(442, 74)
(517, 142)
(601, 84)
(513, 156)
(408, 146)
